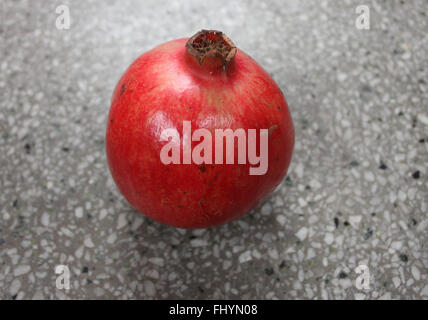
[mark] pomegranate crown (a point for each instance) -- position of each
(211, 43)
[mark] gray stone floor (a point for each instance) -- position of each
(356, 192)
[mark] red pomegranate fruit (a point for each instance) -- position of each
(198, 133)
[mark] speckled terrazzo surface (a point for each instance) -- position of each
(356, 192)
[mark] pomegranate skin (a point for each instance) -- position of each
(166, 86)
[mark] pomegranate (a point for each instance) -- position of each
(203, 85)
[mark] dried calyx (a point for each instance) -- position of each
(213, 44)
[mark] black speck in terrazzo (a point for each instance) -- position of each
(14, 297)
(403, 257)
(88, 281)
(366, 88)
(368, 234)
(343, 275)
(283, 264)
(27, 148)
(354, 163)
(65, 149)
(398, 51)
(15, 203)
(421, 140)
(414, 222)
(346, 223)
(201, 290)
(373, 214)
(416, 174)
(288, 182)
(414, 122)
(383, 166)
(85, 270)
(269, 271)
(336, 222)
(365, 92)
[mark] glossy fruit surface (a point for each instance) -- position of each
(213, 85)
